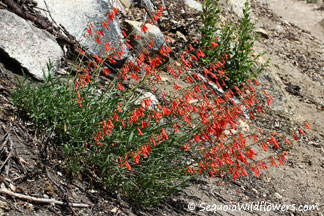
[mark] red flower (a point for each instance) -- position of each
(137, 157)
(89, 29)
(116, 117)
(115, 11)
(144, 28)
(140, 132)
(120, 86)
(164, 134)
(287, 141)
(105, 26)
(306, 125)
(176, 87)
(81, 51)
(128, 166)
(214, 44)
(98, 40)
(100, 33)
(302, 132)
(106, 71)
(295, 136)
(121, 163)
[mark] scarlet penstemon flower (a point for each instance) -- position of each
(199, 116)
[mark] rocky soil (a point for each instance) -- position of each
(292, 35)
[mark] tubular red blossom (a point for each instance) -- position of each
(127, 165)
(259, 109)
(89, 29)
(106, 71)
(82, 52)
(145, 151)
(111, 16)
(164, 134)
(153, 141)
(214, 44)
(116, 117)
(176, 87)
(100, 33)
(268, 101)
(197, 89)
(104, 128)
(140, 132)
(264, 146)
(80, 103)
(275, 142)
(307, 126)
(144, 28)
(120, 86)
(137, 157)
(295, 136)
(121, 163)
(287, 141)
(98, 40)
(255, 138)
(302, 132)
(256, 82)
(105, 26)
(273, 162)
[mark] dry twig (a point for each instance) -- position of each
(41, 200)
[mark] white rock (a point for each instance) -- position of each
(237, 6)
(126, 3)
(194, 4)
(30, 46)
(146, 95)
(278, 196)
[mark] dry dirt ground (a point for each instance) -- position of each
(293, 39)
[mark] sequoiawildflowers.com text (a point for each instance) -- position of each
(252, 206)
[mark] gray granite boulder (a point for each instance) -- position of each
(75, 16)
(31, 47)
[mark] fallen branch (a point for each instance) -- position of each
(41, 200)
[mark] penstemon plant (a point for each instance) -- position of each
(234, 40)
(142, 149)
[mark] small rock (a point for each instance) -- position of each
(115, 210)
(255, 191)
(126, 3)
(4, 205)
(322, 23)
(193, 101)
(153, 34)
(146, 95)
(277, 195)
(194, 4)
(30, 207)
(145, 3)
(164, 78)
(182, 36)
(262, 32)
(237, 6)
